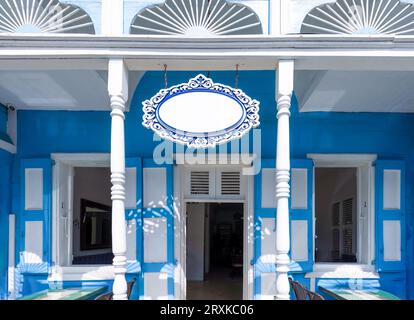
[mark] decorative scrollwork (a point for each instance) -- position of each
(196, 18)
(200, 83)
(388, 17)
(43, 16)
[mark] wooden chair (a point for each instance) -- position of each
(314, 296)
(110, 295)
(299, 290)
(302, 293)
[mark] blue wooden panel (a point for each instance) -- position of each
(383, 215)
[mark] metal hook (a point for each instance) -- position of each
(237, 77)
(165, 76)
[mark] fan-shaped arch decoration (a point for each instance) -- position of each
(201, 113)
(43, 16)
(387, 17)
(196, 18)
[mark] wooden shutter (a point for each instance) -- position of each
(390, 215)
(157, 232)
(301, 222)
(265, 231)
(35, 217)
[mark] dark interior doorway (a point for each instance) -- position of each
(215, 251)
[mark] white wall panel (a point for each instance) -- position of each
(299, 188)
(34, 242)
(131, 240)
(268, 188)
(268, 243)
(130, 188)
(299, 236)
(392, 190)
(34, 189)
(155, 286)
(392, 240)
(155, 187)
(268, 284)
(12, 226)
(155, 240)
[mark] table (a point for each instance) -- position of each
(76, 293)
(358, 294)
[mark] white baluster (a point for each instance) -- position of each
(118, 92)
(284, 91)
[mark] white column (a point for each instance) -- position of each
(275, 17)
(118, 92)
(112, 19)
(284, 89)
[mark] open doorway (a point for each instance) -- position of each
(92, 218)
(336, 215)
(214, 266)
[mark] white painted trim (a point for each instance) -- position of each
(12, 125)
(239, 159)
(179, 186)
(83, 159)
(343, 271)
(81, 273)
(73, 160)
(7, 147)
(341, 159)
(357, 161)
(323, 52)
(11, 256)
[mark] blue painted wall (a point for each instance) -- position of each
(388, 135)
(5, 172)
(3, 124)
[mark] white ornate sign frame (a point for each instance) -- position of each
(249, 119)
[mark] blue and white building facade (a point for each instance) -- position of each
(332, 88)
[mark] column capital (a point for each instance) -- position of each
(285, 72)
(118, 80)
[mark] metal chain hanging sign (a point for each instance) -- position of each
(201, 113)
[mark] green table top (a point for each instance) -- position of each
(66, 294)
(358, 294)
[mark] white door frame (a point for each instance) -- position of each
(68, 272)
(358, 161)
(180, 238)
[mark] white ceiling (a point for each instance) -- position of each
(355, 91)
(55, 89)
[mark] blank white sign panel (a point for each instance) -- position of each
(268, 188)
(299, 188)
(34, 189)
(155, 187)
(34, 242)
(130, 188)
(299, 240)
(155, 286)
(268, 254)
(392, 240)
(392, 190)
(155, 239)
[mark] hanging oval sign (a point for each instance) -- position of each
(201, 113)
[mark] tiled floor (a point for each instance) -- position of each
(218, 285)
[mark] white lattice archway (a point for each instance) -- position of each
(196, 18)
(388, 17)
(43, 16)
